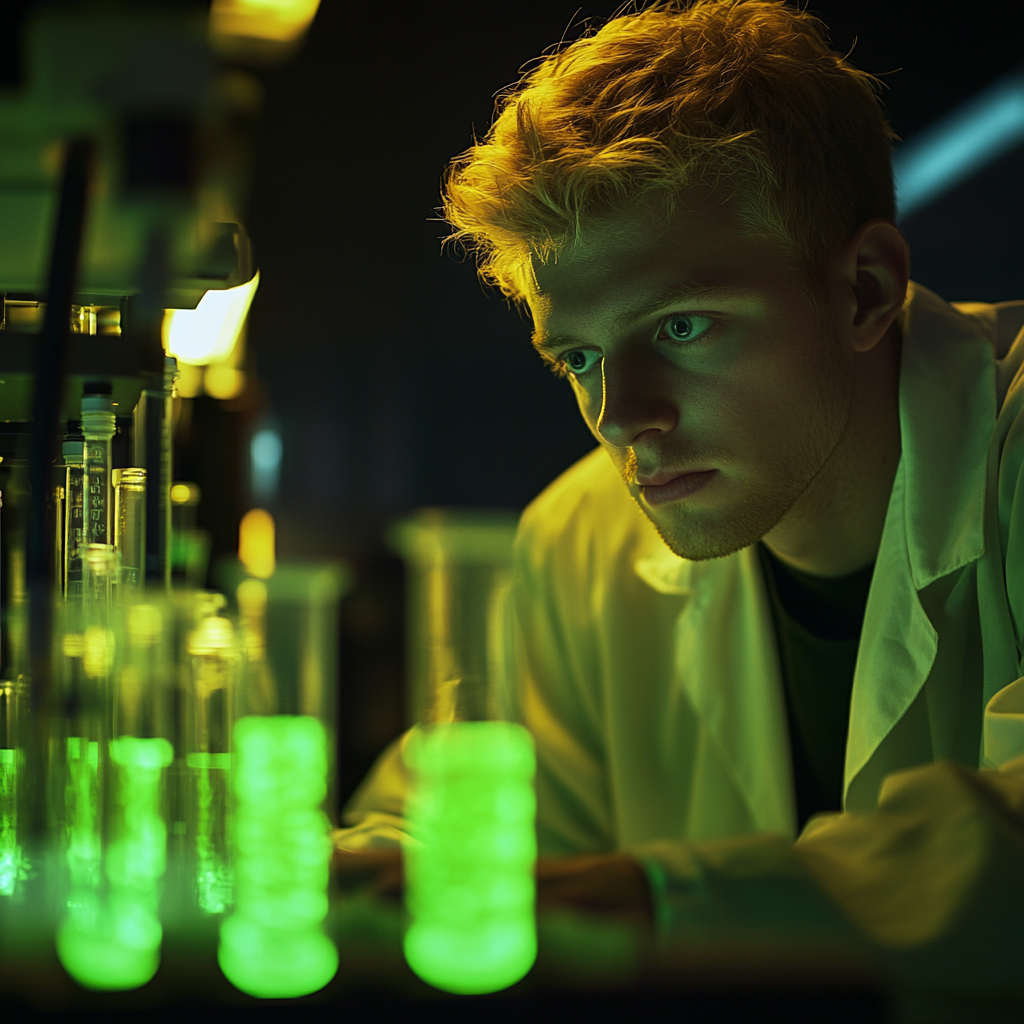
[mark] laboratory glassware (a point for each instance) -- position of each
(273, 944)
(130, 527)
(471, 808)
(214, 665)
(13, 856)
(98, 428)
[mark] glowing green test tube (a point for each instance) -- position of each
(469, 872)
(13, 866)
(273, 945)
(10, 849)
(469, 876)
(214, 661)
(112, 940)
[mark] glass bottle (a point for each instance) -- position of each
(98, 428)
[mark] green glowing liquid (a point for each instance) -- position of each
(210, 788)
(10, 850)
(273, 945)
(82, 812)
(469, 878)
(112, 941)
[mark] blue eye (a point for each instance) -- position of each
(687, 328)
(579, 360)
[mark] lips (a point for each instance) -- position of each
(663, 487)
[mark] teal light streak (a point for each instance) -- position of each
(470, 889)
(112, 940)
(273, 945)
(971, 136)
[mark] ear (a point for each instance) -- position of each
(872, 271)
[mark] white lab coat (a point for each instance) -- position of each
(653, 690)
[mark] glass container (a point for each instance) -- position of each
(470, 889)
(209, 709)
(153, 449)
(13, 859)
(130, 527)
(70, 565)
(116, 800)
(273, 945)
(98, 427)
(458, 571)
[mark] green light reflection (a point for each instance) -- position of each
(273, 945)
(469, 878)
(112, 940)
(11, 861)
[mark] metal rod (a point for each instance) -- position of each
(47, 404)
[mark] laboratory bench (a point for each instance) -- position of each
(589, 967)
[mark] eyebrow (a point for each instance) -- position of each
(683, 292)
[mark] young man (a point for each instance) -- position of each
(790, 581)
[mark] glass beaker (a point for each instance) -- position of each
(273, 945)
(470, 889)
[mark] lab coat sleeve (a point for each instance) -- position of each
(374, 818)
(934, 878)
(554, 691)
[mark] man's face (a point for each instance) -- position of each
(693, 349)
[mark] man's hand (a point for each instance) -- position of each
(610, 883)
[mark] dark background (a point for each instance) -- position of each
(396, 379)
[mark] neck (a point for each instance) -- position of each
(836, 526)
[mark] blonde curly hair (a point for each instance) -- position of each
(746, 96)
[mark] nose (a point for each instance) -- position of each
(636, 399)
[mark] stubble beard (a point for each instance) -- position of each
(702, 534)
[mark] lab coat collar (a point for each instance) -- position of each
(934, 525)
(947, 415)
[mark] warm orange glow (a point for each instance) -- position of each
(256, 543)
(279, 21)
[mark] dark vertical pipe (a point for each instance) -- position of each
(47, 402)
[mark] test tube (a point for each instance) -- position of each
(273, 945)
(470, 890)
(13, 861)
(130, 527)
(70, 566)
(111, 935)
(98, 428)
(153, 449)
(214, 661)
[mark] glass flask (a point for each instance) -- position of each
(273, 944)
(470, 888)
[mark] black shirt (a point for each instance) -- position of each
(817, 625)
